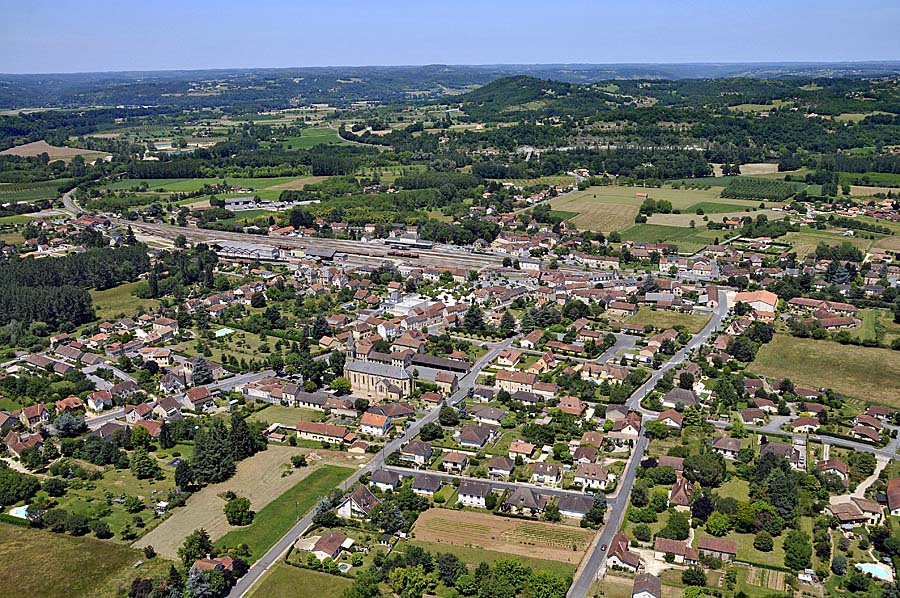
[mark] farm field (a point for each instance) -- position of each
(588, 213)
(187, 185)
(299, 183)
(17, 219)
(285, 581)
(694, 323)
(37, 570)
(259, 478)
(512, 536)
(859, 372)
(689, 240)
(120, 300)
(311, 138)
(30, 191)
(277, 517)
(36, 148)
(685, 219)
(804, 242)
(710, 207)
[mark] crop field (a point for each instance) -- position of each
(36, 148)
(35, 562)
(710, 207)
(311, 138)
(688, 239)
(258, 478)
(513, 536)
(285, 581)
(30, 191)
(298, 183)
(861, 372)
(120, 300)
(876, 179)
(684, 220)
(276, 518)
(662, 319)
(591, 214)
(188, 185)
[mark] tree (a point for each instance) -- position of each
(212, 460)
(718, 524)
(797, 550)
(657, 430)
(431, 431)
(54, 487)
(544, 584)
(642, 532)
(551, 513)
(410, 582)
(196, 546)
(449, 568)
(742, 349)
(387, 517)
(527, 323)
(340, 385)
(184, 475)
(686, 380)
(143, 466)
(32, 458)
(180, 241)
(507, 324)
(706, 468)
(69, 425)
(202, 373)
(237, 511)
(839, 564)
(258, 300)
(763, 541)
(241, 439)
(140, 437)
(448, 416)
(693, 576)
(677, 528)
(857, 582)
(473, 321)
(15, 486)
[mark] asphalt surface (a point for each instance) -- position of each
(280, 547)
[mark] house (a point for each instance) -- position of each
(680, 398)
(385, 480)
(727, 447)
(753, 416)
(16, 443)
(358, 504)
(893, 496)
(67, 404)
(222, 563)
(865, 433)
(546, 474)
(447, 382)
(532, 339)
(789, 452)
(592, 475)
(525, 501)
(592, 438)
(473, 494)
(34, 416)
(571, 405)
(574, 506)
(619, 556)
(417, 452)
(198, 399)
(681, 493)
(515, 381)
(152, 426)
(717, 547)
(375, 424)
(488, 415)
(168, 408)
(474, 437)
(885, 414)
(672, 419)
(426, 485)
(319, 432)
(628, 428)
(520, 448)
(870, 508)
(833, 466)
(684, 554)
(766, 405)
(646, 585)
(136, 413)
(585, 454)
(508, 358)
(500, 467)
(804, 424)
(99, 400)
(676, 463)
(330, 545)
(454, 462)
(761, 301)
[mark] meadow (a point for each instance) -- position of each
(30, 568)
(285, 581)
(689, 240)
(663, 320)
(861, 372)
(121, 300)
(313, 137)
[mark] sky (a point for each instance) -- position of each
(56, 36)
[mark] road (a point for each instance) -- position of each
(280, 547)
(229, 384)
(96, 422)
(596, 560)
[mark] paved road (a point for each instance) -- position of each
(280, 547)
(95, 422)
(596, 560)
(228, 384)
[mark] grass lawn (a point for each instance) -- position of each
(7, 404)
(120, 300)
(277, 517)
(188, 185)
(710, 207)
(804, 242)
(285, 581)
(311, 137)
(662, 319)
(473, 555)
(16, 219)
(735, 488)
(41, 563)
(861, 372)
(286, 415)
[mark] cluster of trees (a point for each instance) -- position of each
(217, 449)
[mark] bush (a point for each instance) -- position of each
(763, 541)
(693, 576)
(237, 511)
(642, 532)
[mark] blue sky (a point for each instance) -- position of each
(101, 35)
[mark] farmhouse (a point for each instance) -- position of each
(717, 547)
(684, 554)
(319, 432)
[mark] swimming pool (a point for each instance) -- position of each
(20, 512)
(877, 570)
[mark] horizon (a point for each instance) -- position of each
(99, 36)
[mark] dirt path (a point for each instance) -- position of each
(860, 491)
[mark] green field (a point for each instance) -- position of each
(120, 300)
(472, 556)
(805, 241)
(40, 563)
(688, 239)
(30, 191)
(16, 219)
(710, 207)
(187, 185)
(285, 581)
(663, 320)
(875, 179)
(313, 137)
(865, 373)
(286, 415)
(277, 517)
